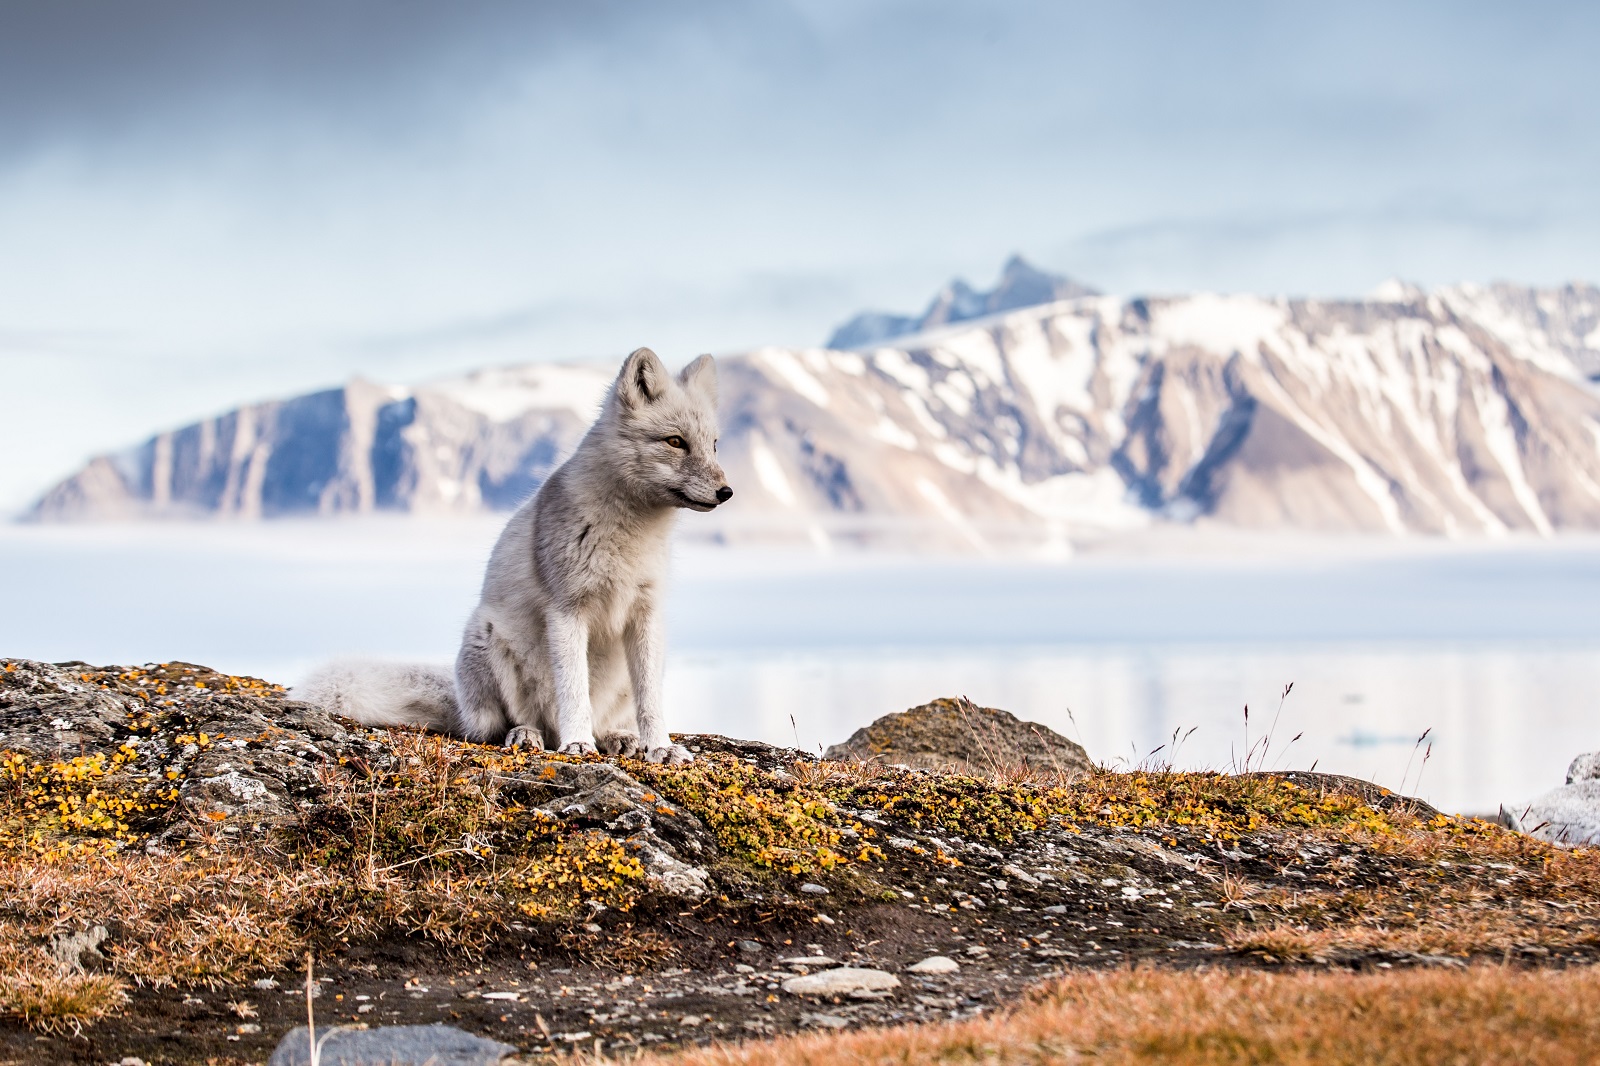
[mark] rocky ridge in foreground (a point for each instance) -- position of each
(173, 842)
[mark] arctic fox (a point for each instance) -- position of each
(564, 650)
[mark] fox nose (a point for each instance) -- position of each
(724, 494)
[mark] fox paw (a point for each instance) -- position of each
(523, 737)
(578, 747)
(623, 744)
(672, 755)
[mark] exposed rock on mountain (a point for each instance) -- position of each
(1021, 285)
(1466, 411)
(484, 441)
(957, 735)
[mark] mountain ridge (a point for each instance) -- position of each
(1021, 284)
(1465, 411)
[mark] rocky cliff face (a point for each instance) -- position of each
(1465, 411)
(484, 441)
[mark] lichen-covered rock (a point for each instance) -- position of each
(203, 748)
(180, 752)
(957, 735)
(1374, 795)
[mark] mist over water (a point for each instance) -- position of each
(1494, 652)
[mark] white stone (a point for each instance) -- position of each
(935, 964)
(841, 982)
(1566, 815)
(1018, 873)
(1584, 768)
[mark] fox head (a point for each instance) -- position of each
(661, 433)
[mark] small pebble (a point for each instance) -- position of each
(846, 980)
(935, 964)
(814, 890)
(1019, 874)
(816, 962)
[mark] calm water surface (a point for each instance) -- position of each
(1493, 653)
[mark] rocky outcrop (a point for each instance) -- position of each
(957, 735)
(203, 753)
(483, 442)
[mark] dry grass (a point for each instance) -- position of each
(1398, 1018)
(34, 988)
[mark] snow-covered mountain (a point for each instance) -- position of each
(1021, 285)
(1463, 411)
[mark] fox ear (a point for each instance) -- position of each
(701, 376)
(643, 379)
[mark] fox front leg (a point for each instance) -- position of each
(643, 641)
(569, 660)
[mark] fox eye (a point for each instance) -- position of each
(676, 442)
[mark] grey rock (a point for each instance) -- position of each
(934, 964)
(844, 981)
(81, 950)
(398, 1045)
(1585, 767)
(813, 890)
(1019, 874)
(751, 947)
(1569, 814)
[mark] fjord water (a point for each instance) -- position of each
(1492, 650)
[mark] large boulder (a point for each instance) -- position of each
(958, 735)
(391, 1045)
(1569, 814)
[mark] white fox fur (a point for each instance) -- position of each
(564, 650)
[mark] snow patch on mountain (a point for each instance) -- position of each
(1463, 412)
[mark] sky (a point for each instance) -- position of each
(203, 203)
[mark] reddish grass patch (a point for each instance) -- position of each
(1211, 1018)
